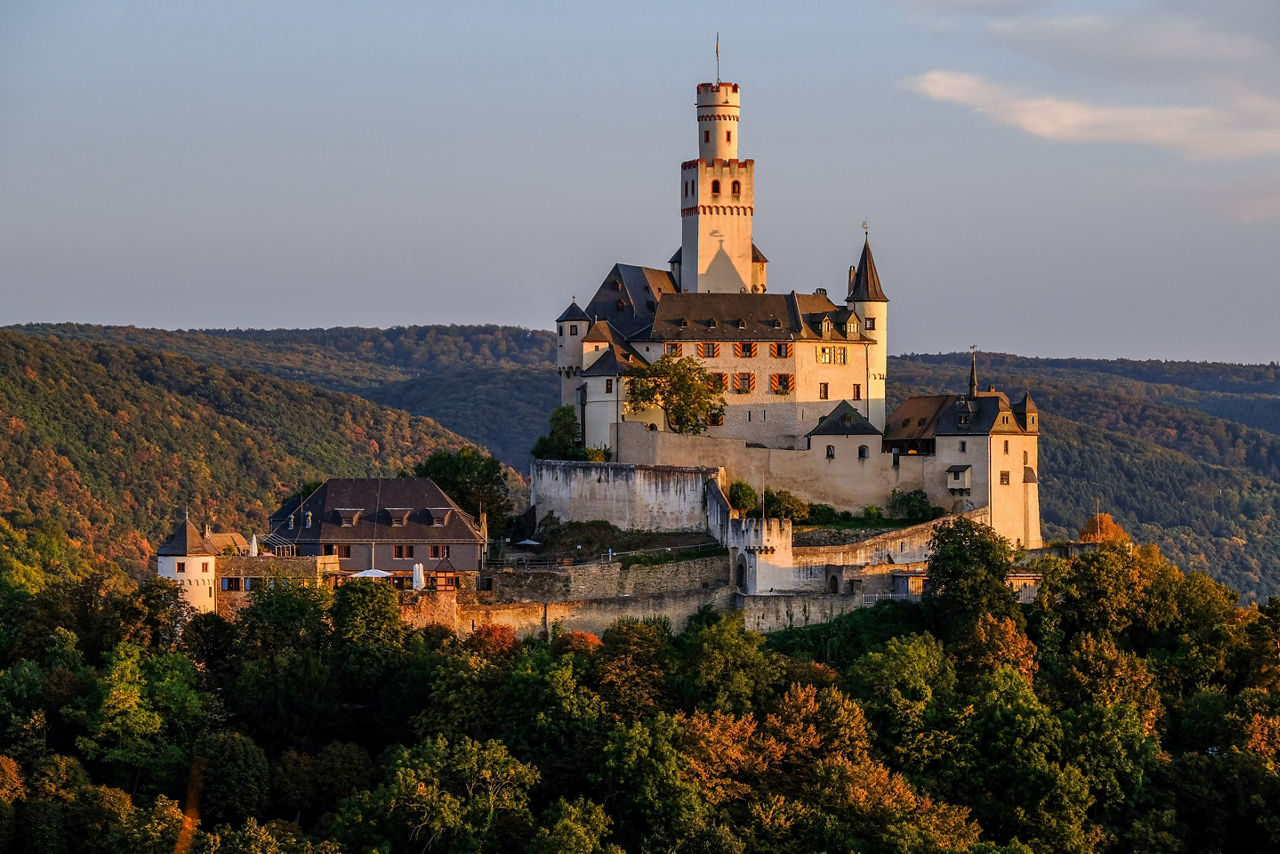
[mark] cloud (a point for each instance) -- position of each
(1240, 130)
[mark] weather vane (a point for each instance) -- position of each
(865, 230)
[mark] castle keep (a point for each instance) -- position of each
(803, 378)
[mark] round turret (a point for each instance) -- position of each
(718, 107)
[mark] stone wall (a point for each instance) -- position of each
(894, 547)
(610, 579)
(794, 610)
(637, 498)
(258, 569)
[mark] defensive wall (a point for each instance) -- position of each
(633, 497)
(598, 581)
(241, 572)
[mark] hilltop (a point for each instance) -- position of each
(111, 442)
(1183, 454)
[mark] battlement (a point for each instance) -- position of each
(733, 165)
(760, 536)
(708, 91)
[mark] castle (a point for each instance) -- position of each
(803, 379)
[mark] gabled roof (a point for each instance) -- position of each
(618, 356)
(844, 420)
(864, 281)
(381, 504)
(573, 313)
(186, 540)
(629, 296)
(749, 317)
(951, 415)
(757, 256)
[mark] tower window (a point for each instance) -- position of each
(869, 324)
(857, 392)
(1006, 446)
(737, 188)
(822, 391)
(560, 330)
(573, 329)
(964, 446)
(706, 136)
(1004, 477)
(182, 567)
(608, 385)
(863, 452)
(728, 136)
(715, 188)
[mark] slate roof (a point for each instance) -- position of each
(844, 420)
(943, 415)
(629, 296)
(370, 506)
(864, 281)
(186, 539)
(573, 312)
(618, 357)
(750, 317)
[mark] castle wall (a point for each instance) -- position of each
(242, 571)
(790, 611)
(610, 579)
(645, 498)
(893, 548)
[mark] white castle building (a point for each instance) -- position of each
(803, 376)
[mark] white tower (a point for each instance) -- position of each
(717, 201)
(867, 300)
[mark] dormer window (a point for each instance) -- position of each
(307, 517)
(711, 324)
(684, 323)
(349, 516)
(742, 324)
(291, 522)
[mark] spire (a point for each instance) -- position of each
(864, 281)
(973, 373)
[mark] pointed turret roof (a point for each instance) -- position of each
(864, 281)
(573, 313)
(186, 540)
(973, 375)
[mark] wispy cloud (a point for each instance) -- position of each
(1196, 131)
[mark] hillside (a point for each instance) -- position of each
(1184, 454)
(112, 443)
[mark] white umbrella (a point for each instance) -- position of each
(253, 546)
(528, 543)
(419, 580)
(370, 573)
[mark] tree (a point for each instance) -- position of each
(235, 778)
(577, 827)
(742, 497)
(681, 388)
(564, 441)
(1101, 528)
(474, 480)
(968, 563)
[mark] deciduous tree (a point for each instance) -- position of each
(681, 388)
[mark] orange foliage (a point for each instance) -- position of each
(722, 751)
(1103, 529)
(492, 641)
(582, 643)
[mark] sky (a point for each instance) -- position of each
(1096, 178)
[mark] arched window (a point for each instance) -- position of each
(737, 188)
(715, 188)
(863, 452)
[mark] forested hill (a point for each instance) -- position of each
(1184, 454)
(112, 443)
(496, 385)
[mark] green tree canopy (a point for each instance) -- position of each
(473, 479)
(681, 388)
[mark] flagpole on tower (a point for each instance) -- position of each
(717, 59)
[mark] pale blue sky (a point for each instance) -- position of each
(1092, 177)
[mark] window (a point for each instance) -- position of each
(291, 523)
(307, 516)
(1006, 446)
(435, 552)
(825, 355)
(560, 330)
(737, 188)
(745, 350)
(831, 452)
(728, 136)
(402, 552)
(709, 351)
(863, 452)
(823, 391)
(204, 566)
(782, 383)
(964, 446)
(719, 382)
(230, 585)
(715, 188)
(716, 420)
(744, 383)
(857, 392)
(869, 324)
(1024, 458)
(842, 355)
(182, 566)
(673, 349)
(706, 136)
(608, 385)
(780, 350)
(1004, 477)
(344, 551)
(248, 584)
(328, 549)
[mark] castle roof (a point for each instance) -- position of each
(618, 356)
(953, 415)
(629, 296)
(844, 420)
(186, 540)
(751, 317)
(371, 509)
(864, 281)
(573, 312)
